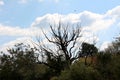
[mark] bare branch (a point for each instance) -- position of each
(65, 41)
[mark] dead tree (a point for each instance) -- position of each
(65, 40)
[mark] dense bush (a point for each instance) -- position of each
(107, 67)
(79, 71)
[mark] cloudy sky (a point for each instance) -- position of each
(21, 20)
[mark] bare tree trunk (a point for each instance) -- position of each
(85, 60)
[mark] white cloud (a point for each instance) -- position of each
(114, 13)
(17, 31)
(26, 1)
(23, 1)
(56, 1)
(91, 21)
(104, 45)
(25, 35)
(118, 24)
(40, 0)
(100, 24)
(25, 40)
(1, 2)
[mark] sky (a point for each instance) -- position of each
(22, 20)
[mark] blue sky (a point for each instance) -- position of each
(18, 17)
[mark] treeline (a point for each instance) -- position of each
(66, 59)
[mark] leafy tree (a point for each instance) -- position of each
(18, 64)
(88, 50)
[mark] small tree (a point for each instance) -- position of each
(88, 50)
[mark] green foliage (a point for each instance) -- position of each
(54, 78)
(20, 63)
(88, 50)
(103, 59)
(115, 67)
(108, 66)
(80, 71)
